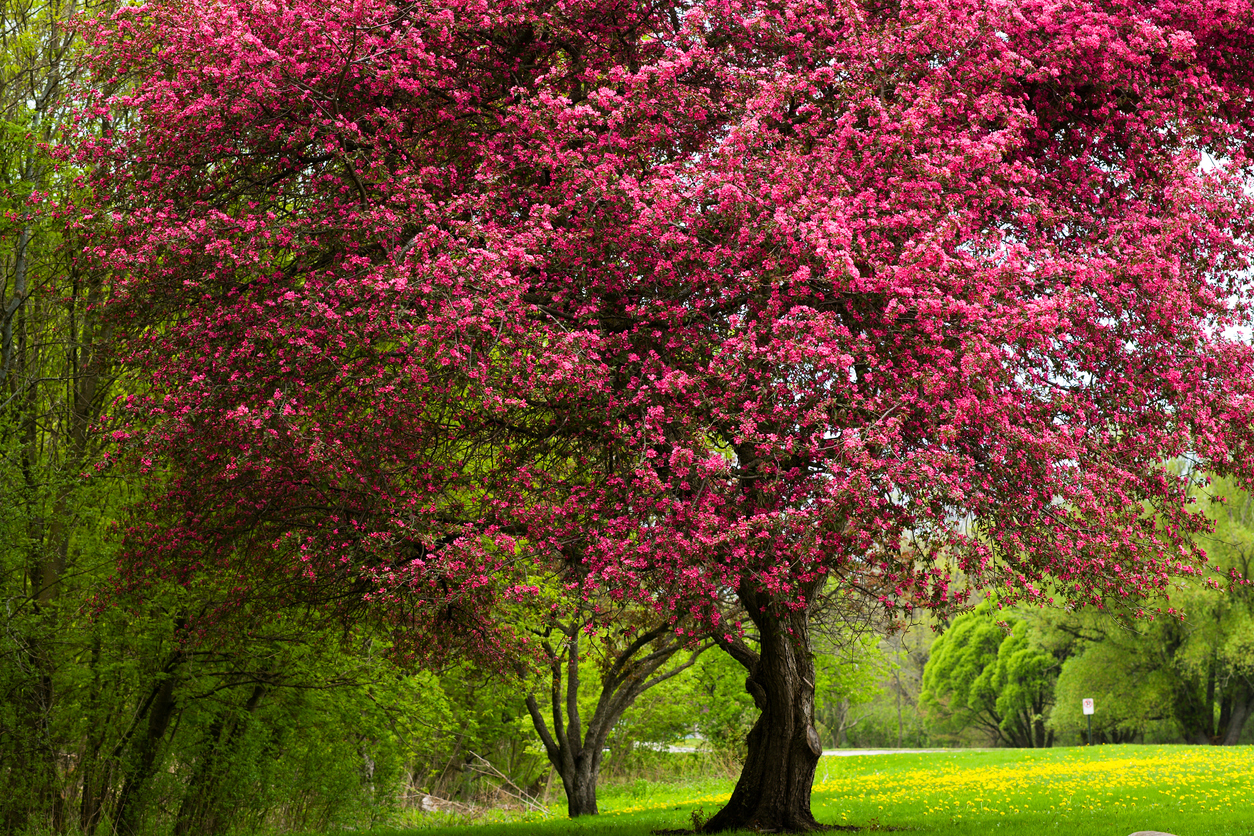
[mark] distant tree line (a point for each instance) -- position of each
(1017, 676)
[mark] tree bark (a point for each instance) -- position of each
(159, 708)
(581, 786)
(773, 792)
(897, 679)
(1240, 702)
(1195, 716)
(575, 753)
(576, 761)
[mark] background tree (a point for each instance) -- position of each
(1217, 647)
(1190, 672)
(958, 659)
(55, 380)
(850, 628)
(993, 676)
(1130, 696)
(1183, 677)
(848, 677)
(753, 299)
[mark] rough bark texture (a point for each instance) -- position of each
(773, 793)
(581, 785)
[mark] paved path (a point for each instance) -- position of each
(844, 753)
(840, 753)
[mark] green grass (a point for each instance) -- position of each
(1105, 790)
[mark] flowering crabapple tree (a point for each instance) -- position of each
(681, 300)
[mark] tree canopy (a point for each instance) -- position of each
(677, 300)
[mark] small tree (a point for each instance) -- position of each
(635, 655)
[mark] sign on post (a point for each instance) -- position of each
(1088, 705)
(1088, 710)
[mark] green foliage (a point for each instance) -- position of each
(485, 716)
(1022, 682)
(1131, 697)
(891, 715)
(724, 711)
(1181, 673)
(1220, 648)
(56, 673)
(1184, 674)
(661, 717)
(991, 676)
(955, 683)
(307, 738)
(849, 674)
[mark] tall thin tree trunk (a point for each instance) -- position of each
(95, 769)
(897, 677)
(142, 764)
(200, 810)
(577, 761)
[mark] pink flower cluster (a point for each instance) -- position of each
(672, 299)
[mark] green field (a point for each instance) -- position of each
(1115, 790)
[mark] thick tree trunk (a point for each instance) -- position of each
(773, 793)
(581, 787)
(1195, 715)
(1041, 738)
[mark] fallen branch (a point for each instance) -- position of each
(484, 767)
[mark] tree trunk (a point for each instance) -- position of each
(143, 762)
(199, 811)
(1039, 739)
(575, 753)
(1195, 716)
(773, 792)
(1240, 704)
(897, 677)
(581, 787)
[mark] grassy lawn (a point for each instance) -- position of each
(1103, 791)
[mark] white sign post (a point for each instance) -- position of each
(1088, 711)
